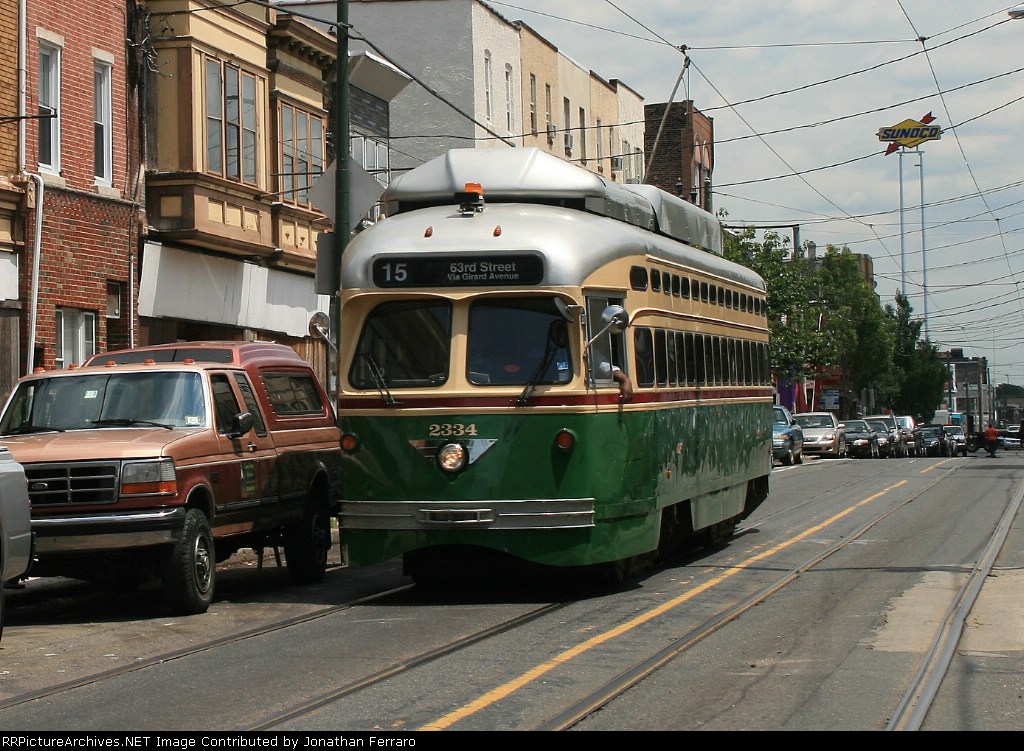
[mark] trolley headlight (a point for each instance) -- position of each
(452, 457)
(565, 439)
(350, 443)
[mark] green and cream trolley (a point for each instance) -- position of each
(479, 321)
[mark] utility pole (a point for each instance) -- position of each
(342, 230)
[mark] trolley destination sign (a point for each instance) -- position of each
(457, 270)
(910, 133)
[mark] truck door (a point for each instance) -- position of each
(246, 495)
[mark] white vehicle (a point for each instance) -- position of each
(958, 439)
(822, 434)
(16, 541)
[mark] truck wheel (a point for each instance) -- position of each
(306, 544)
(189, 568)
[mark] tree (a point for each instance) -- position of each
(792, 324)
(825, 318)
(921, 375)
(854, 320)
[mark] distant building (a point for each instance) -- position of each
(682, 149)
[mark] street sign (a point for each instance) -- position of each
(364, 192)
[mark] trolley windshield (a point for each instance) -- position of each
(511, 341)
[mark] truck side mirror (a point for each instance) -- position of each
(240, 424)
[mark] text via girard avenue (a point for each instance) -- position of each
(287, 741)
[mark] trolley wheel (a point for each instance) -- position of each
(189, 567)
(306, 545)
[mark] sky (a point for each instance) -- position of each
(798, 91)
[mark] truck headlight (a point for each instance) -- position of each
(149, 478)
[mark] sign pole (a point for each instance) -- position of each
(900, 137)
(924, 257)
(903, 244)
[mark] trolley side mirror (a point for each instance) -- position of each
(615, 320)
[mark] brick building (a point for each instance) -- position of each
(80, 165)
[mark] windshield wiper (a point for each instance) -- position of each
(542, 366)
(123, 421)
(378, 379)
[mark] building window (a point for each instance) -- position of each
(509, 119)
(567, 115)
(103, 149)
(49, 107)
(231, 122)
(113, 300)
(583, 135)
(488, 86)
(302, 153)
(76, 336)
(599, 140)
(533, 104)
(374, 157)
(548, 122)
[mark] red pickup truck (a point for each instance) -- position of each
(165, 460)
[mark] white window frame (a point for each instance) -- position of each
(548, 122)
(76, 336)
(50, 58)
(583, 135)
(533, 103)
(103, 120)
(509, 114)
(488, 86)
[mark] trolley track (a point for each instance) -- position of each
(908, 716)
(919, 693)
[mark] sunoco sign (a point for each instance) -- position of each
(910, 133)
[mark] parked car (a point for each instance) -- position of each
(787, 437)
(900, 438)
(16, 541)
(958, 440)
(160, 462)
(934, 441)
(908, 425)
(822, 434)
(886, 443)
(861, 439)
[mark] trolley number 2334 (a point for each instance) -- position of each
(451, 429)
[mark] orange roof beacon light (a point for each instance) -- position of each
(471, 200)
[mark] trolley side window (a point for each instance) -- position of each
(608, 350)
(516, 341)
(404, 344)
(643, 346)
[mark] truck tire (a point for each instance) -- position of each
(189, 567)
(306, 545)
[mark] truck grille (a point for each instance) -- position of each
(72, 484)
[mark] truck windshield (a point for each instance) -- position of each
(86, 402)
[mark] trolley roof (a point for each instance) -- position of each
(530, 175)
